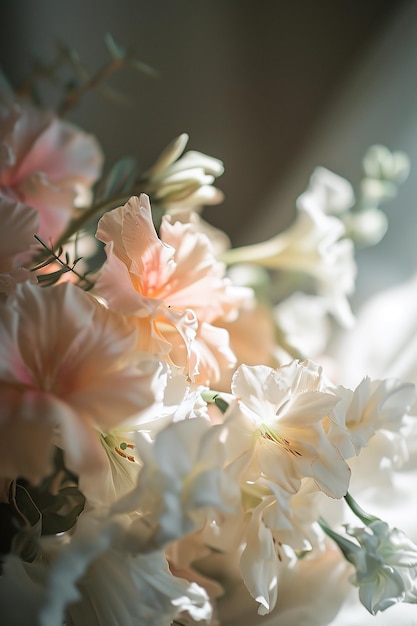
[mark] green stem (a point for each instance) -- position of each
(358, 511)
(88, 215)
(214, 397)
(346, 546)
(75, 96)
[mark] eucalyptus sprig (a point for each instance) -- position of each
(51, 278)
(68, 73)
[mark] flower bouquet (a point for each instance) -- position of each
(177, 445)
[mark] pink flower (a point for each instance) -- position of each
(173, 286)
(44, 163)
(18, 223)
(67, 366)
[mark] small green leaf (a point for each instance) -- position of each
(21, 524)
(119, 180)
(143, 67)
(115, 50)
(221, 404)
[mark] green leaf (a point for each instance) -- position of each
(143, 67)
(26, 542)
(57, 498)
(115, 50)
(119, 180)
(20, 525)
(221, 404)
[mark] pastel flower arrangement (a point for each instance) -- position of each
(172, 450)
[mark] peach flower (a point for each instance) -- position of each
(44, 163)
(173, 286)
(67, 368)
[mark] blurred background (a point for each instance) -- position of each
(273, 89)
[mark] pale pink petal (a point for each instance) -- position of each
(151, 259)
(62, 347)
(174, 281)
(65, 154)
(44, 161)
(114, 283)
(21, 124)
(53, 203)
(25, 440)
(18, 224)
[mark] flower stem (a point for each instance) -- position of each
(214, 397)
(346, 546)
(358, 511)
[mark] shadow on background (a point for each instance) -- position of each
(248, 82)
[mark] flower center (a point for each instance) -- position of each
(121, 451)
(268, 433)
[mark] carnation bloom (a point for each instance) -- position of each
(385, 561)
(386, 566)
(173, 287)
(373, 405)
(45, 163)
(66, 362)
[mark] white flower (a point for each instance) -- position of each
(366, 227)
(312, 245)
(280, 416)
(304, 321)
(386, 566)
(135, 589)
(261, 562)
(371, 406)
(176, 399)
(96, 579)
(384, 170)
(182, 479)
(186, 181)
(327, 192)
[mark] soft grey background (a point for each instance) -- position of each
(247, 80)
(273, 88)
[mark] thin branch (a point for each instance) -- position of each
(74, 96)
(53, 277)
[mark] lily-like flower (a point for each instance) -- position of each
(280, 415)
(183, 182)
(172, 286)
(45, 163)
(66, 362)
(176, 400)
(314, 246)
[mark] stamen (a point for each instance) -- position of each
(268, 433)
(121, 451)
